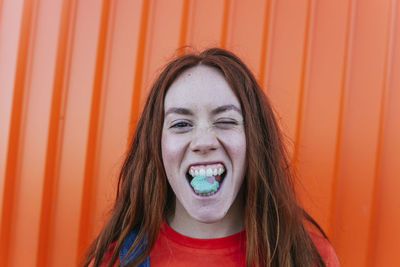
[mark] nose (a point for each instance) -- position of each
(204, 140)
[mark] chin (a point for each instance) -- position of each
(207, 214)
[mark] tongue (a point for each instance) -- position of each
(204, 184)
(210, 179)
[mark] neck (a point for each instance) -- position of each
(230, 224)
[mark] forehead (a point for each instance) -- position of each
(200, 85)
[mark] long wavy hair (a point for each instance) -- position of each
(274, 221)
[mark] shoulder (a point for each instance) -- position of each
(326, 250)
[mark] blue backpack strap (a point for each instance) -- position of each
(125, 248)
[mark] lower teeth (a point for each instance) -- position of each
(206, 194)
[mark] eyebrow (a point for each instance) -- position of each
(224, 108)
(218, 110)
(180, 111)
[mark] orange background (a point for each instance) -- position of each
(74, 75)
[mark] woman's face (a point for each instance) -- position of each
(203, 136)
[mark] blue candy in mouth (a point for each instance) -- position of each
(204, 185)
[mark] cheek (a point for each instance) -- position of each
(172, 151)
(235, 143)
(239, 147)
(239, 156)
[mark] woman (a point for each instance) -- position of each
(207, 180)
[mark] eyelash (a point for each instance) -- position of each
(227, 122)
(184, 125)
(180, 124)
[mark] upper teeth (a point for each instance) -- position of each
(216, 169)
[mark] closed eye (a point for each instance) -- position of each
(226, 124)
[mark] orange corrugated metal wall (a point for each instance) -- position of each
(74, 75)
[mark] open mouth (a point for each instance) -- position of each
(206, 180)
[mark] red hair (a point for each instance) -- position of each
(274, 222)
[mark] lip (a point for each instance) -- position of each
(200, 164)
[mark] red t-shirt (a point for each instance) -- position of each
(326, 250)
(174, 249)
